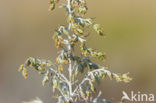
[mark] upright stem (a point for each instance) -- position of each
(70, 76)
(68, 5)
(70, 51)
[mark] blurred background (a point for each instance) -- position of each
(26, 28)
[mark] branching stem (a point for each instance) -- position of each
(70, 52)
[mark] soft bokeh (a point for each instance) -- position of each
(26, 27)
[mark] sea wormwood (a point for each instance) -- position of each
(71, 89)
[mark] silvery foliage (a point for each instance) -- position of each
(70, 88)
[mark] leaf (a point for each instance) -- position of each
(80, 68)
(126, 78)
(60, 68)
(88, 93)
(100, 32)
(21, 68)
(92, 87)
(52, 7)
(97, 28)
(83, 9)
(109, 74)
(28, 62)
(49, 63)
(39, 68)
(101, 55)
(46, 78)
(93, 65)
(55, 84)
(65, 31)
(79, 31)
(103, 75)
(25, 73)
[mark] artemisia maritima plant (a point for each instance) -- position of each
(69, 87)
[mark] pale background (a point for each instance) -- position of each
(26, 27)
